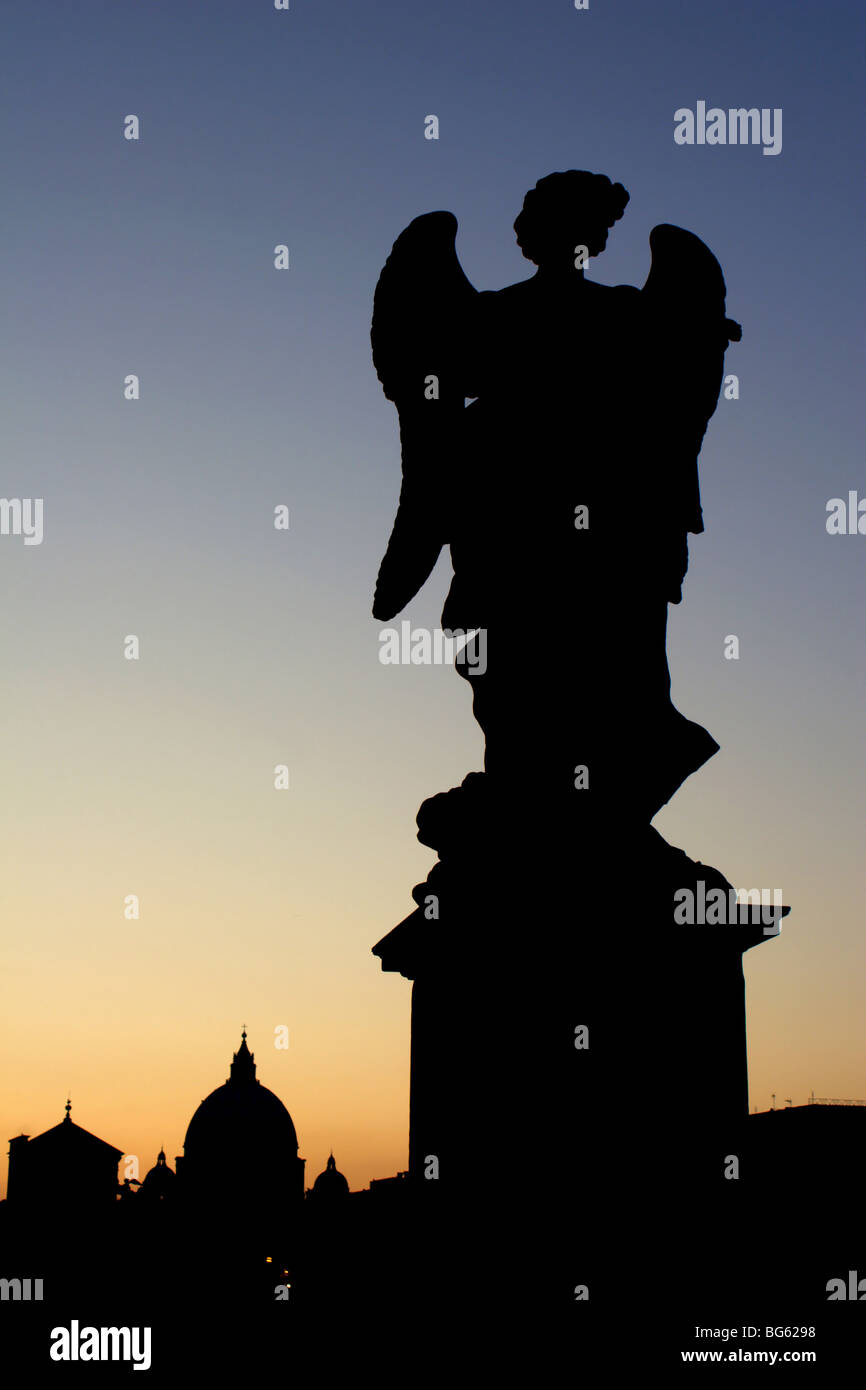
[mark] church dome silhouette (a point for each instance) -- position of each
(241, 1115)
(240, 1154)
(331, 1184)
(159, 1182)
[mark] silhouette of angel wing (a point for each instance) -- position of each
(685, 298)
(418, 335)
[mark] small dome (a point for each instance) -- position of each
(159, 1182)
(331, 1183)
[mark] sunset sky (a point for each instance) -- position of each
(155, 777)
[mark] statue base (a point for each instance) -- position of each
(578, 1059)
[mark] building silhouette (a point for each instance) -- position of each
(330, 1186)
(240, 1176)
(65, 1168)
(160, 1183)
(233, 1213)
(233, 1240)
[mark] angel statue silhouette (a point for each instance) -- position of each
(565, 488)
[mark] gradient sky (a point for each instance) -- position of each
(257, 647)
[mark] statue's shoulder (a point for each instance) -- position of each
(626, 303)
(493, 312)
(627, 292)
(519, 290)
(626, 298)
(499, 301)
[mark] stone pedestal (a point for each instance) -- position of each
(578, 1065)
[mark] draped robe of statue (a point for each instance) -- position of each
(567, 508)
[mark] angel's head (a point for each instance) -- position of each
(567, 210)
